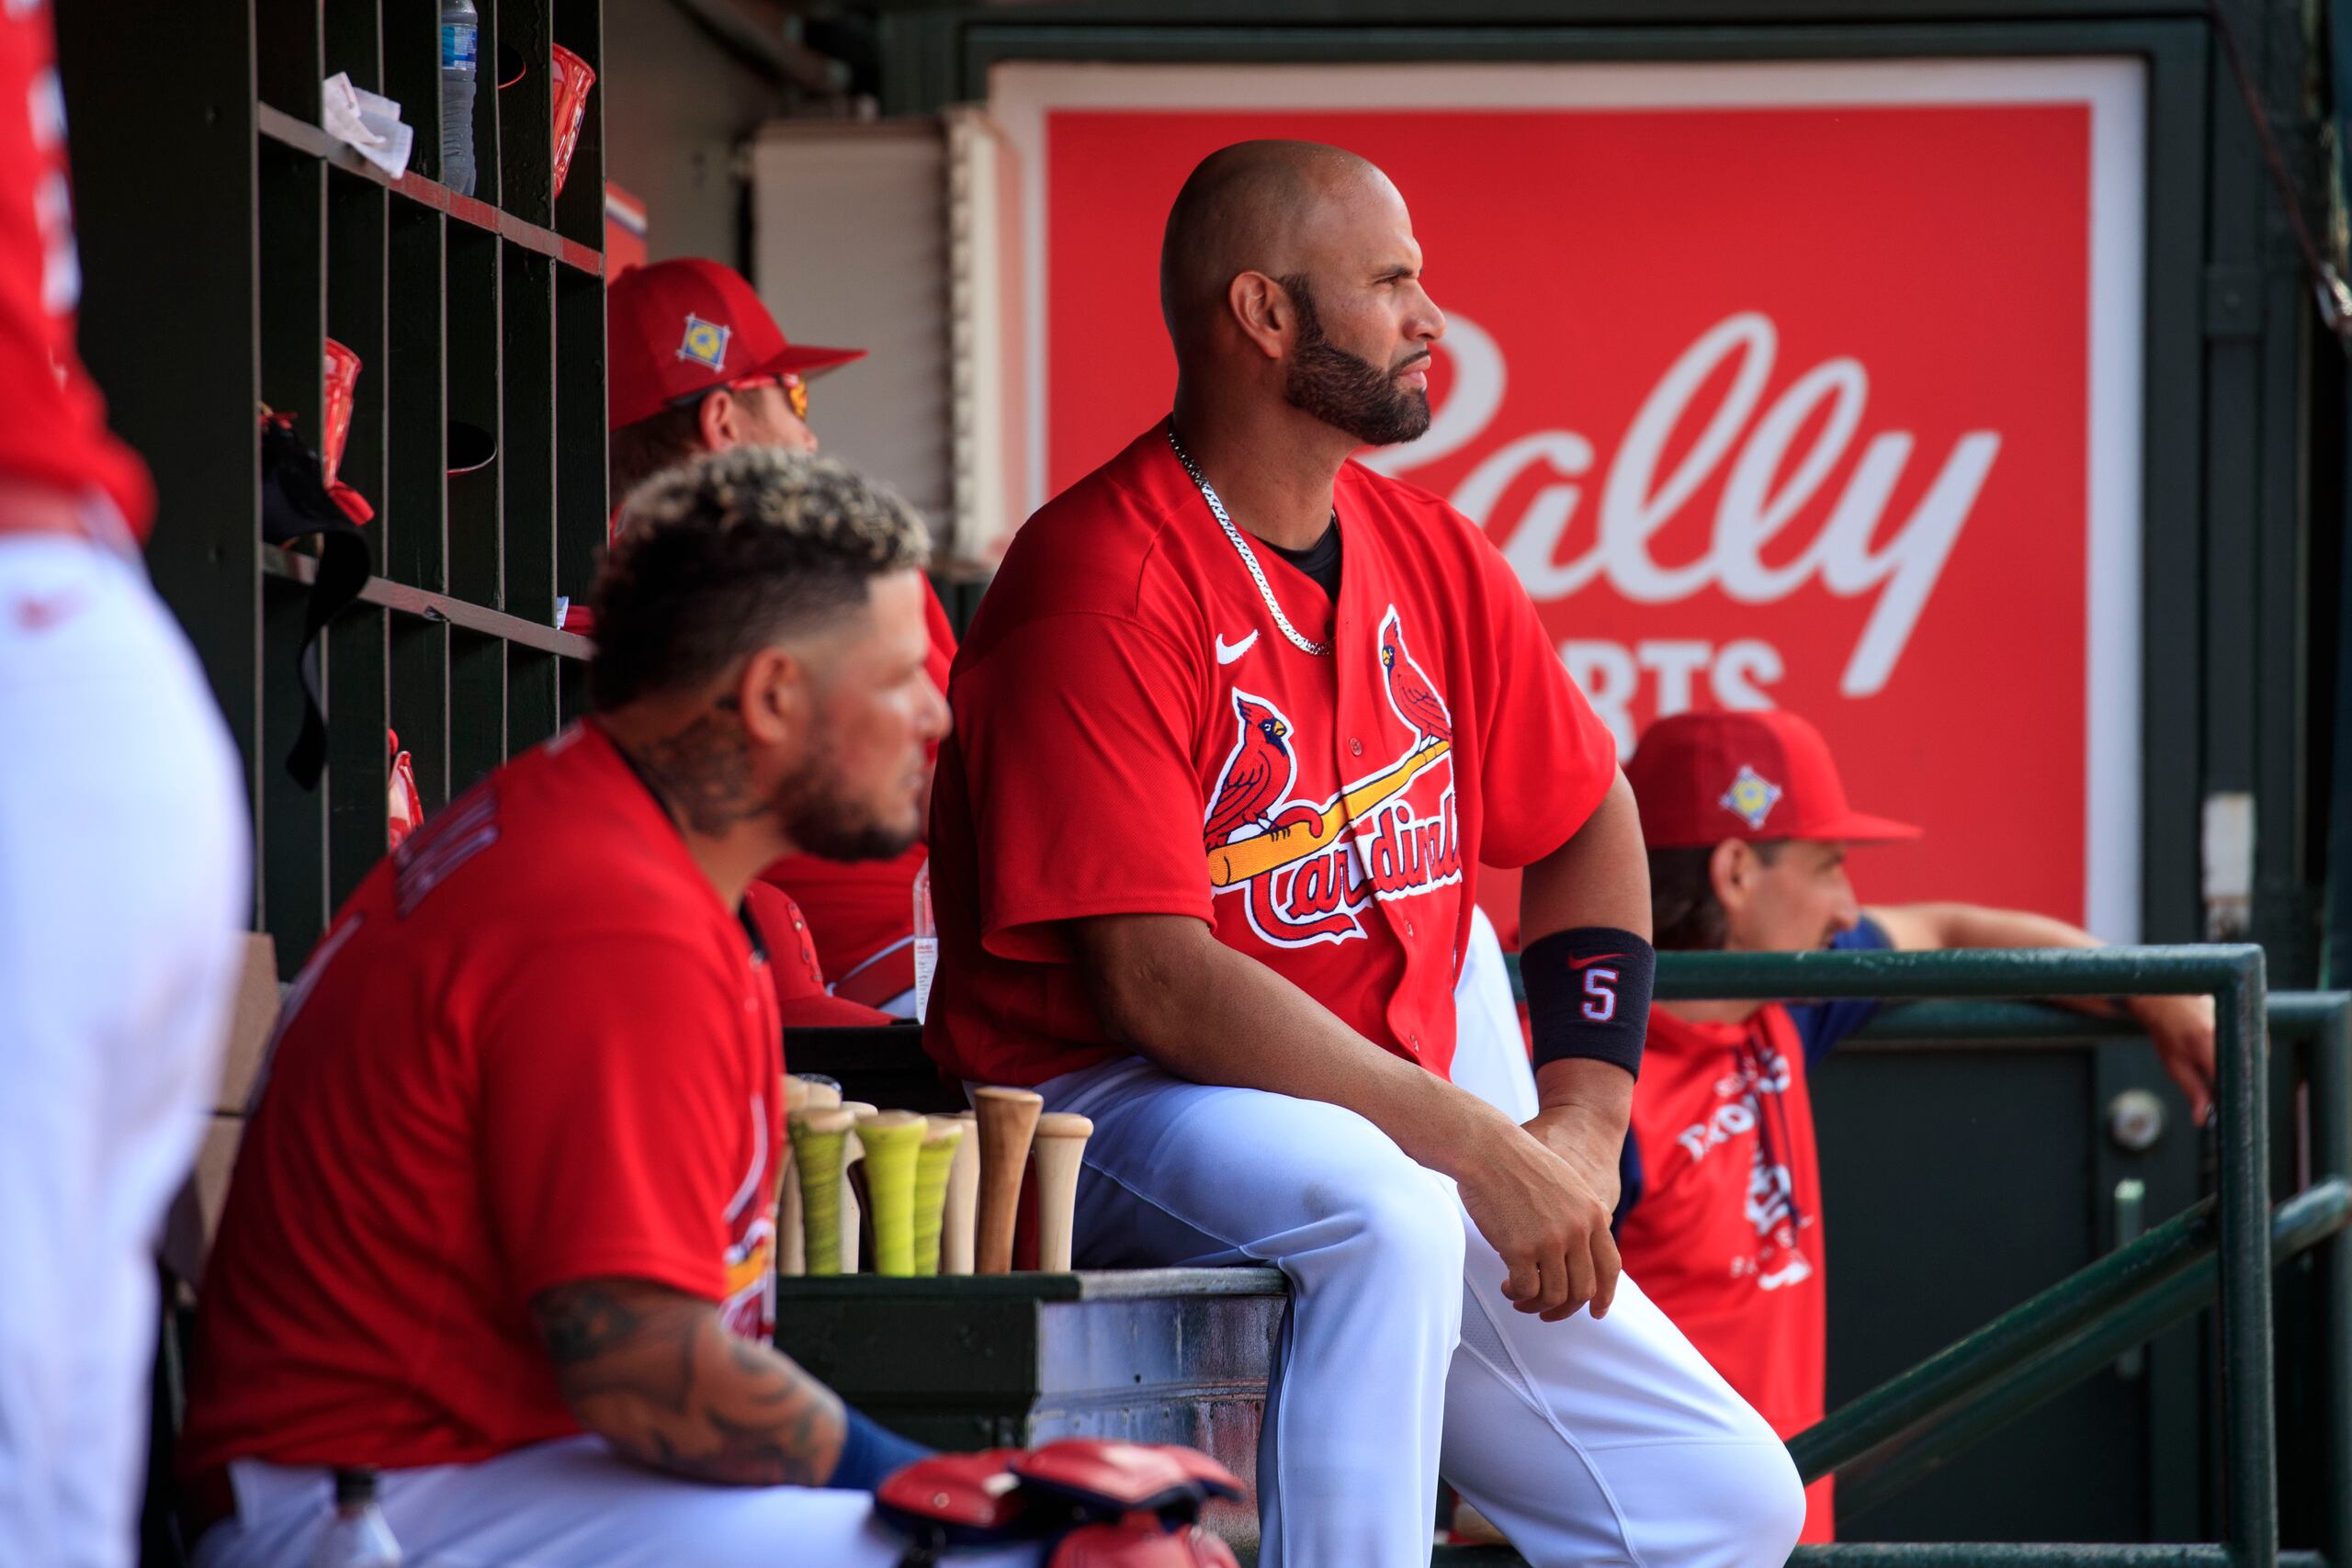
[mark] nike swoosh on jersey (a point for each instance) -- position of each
(1588, 963)
(1226, 652)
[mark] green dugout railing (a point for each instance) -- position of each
(2222, 1248)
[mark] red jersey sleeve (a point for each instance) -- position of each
(1085, 799)
(1547, 759)
(612, 1113)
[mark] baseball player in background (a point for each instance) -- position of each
(699, 366)
(1234, 727)
(123, 882)
(501, 1225)
(1720, 1208)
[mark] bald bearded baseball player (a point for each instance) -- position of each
(1236, 726)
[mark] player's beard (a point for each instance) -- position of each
(1345, 391)
(819, 814)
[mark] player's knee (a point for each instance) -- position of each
(1752, 1493)
(1412, 1232)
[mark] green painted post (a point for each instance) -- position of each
(2326, 1021)
(2242, 1108)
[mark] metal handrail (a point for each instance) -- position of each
(2132, 1283)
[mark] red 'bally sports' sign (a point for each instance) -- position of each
(1800, 386)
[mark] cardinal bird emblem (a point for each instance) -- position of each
(1410, 691)
(1256, 776)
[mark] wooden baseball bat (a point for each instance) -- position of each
(893, 1141)
(1008, 1119)
(855, 1221)
(801, 1096)
(1061, 1139)
(942, 1141)
(960, 1215)
(819, 1140)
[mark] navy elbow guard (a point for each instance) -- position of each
(1588, 995)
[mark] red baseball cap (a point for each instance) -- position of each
(676, 328)
(1711, 774)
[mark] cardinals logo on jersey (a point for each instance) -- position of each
(1258, 775)
(749, 1309)
(1410, 691)
(1308, 869)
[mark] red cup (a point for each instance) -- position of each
(342, 382)
(568, 89)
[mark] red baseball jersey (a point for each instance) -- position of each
(55, 432)
(1724, 1230)
(862, 912)
(1135, 733)
(483, 1086)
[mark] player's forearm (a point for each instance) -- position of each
(1932, 927)
(654, 1372)
(1600, 877)
(1169, 991)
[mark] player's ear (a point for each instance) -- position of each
(1262, 308)
(1732, 871)
(772, 693)
(716, 420)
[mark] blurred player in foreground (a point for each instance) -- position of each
(124, 866)
(503, 1224)
(1720, 1213)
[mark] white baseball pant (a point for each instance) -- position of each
(568, 1504)
(124, 866)
(1605, 1443)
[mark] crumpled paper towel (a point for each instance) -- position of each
(368, 121)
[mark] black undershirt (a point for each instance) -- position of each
(1319, 561)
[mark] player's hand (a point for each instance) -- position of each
(1590, 1143)
(1540, 1212)
(2181, 1029)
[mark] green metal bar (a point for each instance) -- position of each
(1946, 1381)
(2301, 1223)
(2186, 970)
(2242, 1113)
(2327, 1020)
(1942, 1023)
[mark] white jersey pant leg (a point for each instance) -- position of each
(1609, 1442)
(568, 1504)
(1490, 1052)
(1181, 1173)
(123, 883)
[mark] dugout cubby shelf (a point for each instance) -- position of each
(220, 254)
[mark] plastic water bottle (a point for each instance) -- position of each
(461, 35)
(926, 941)
(360, 1538)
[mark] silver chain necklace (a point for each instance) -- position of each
(1249, 557)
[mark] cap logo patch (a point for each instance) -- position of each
(706, 343)
(1752, 797)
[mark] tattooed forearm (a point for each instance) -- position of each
(656, 1375)
(582, 1322)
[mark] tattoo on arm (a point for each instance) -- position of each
(654, 1372)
